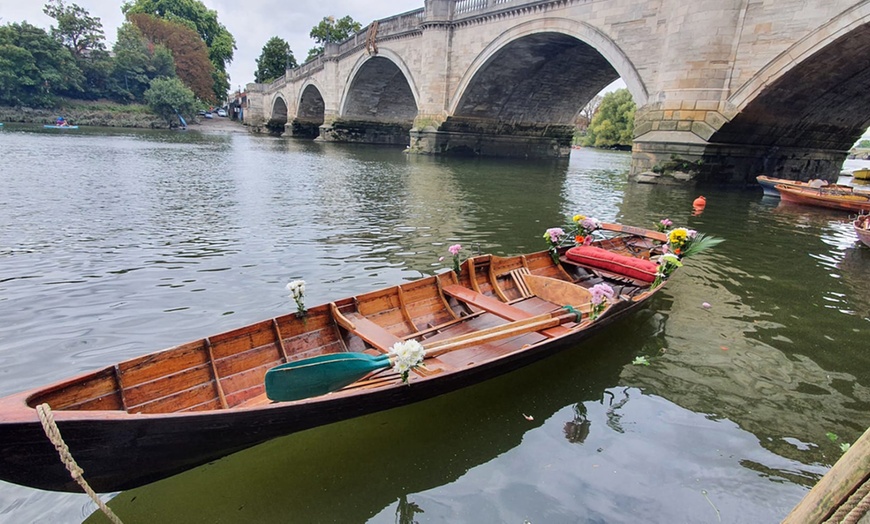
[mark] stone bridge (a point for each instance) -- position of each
(730, 88)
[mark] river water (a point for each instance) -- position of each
(114, 243)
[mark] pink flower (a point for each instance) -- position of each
(667, 222)
(555, 233)
(455, 249)
(600, 292)
(587, 240)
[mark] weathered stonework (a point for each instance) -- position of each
(741, 88)
(365, 132)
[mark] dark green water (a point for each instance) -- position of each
(118, 243)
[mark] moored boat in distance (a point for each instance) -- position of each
(54, 126)
(861, 224)
(150, 417)
(825, 197)
(768, 184)
(862, 174)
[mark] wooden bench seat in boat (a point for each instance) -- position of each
(378, 337)
(496, 307)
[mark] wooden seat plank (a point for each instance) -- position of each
(497, 307)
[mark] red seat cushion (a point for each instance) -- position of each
(638, 268)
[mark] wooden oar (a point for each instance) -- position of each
(319, 375)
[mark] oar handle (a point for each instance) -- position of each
(514, 330)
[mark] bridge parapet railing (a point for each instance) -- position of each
(307, 68)
(469, 8)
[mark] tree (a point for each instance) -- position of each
(584, 118)
(80, 32)
(204, 21)
(330, 31)
(274, 60)
(190, 56)
(613, 124)
(137, 63)
(83, 35)
(168, 97)
(34, 67)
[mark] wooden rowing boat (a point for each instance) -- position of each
(862, 229)
(823, 197)
(150, 417)
(768, 185)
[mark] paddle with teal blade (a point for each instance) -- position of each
(320, 375)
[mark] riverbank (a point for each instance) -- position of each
(87, 113)
(108, 114)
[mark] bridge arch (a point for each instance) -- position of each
(388, 81)
(378, 104)
(838, 27)
(584, 33)
(279, 113)
(801, 112)
(310, 110)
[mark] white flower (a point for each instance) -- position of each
(407, 356)
(296, 288)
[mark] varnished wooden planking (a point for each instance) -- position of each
(93, 387)
(241, 340)
(296, 349)
(179, 401)
(242, 386)
(384, 308)
(106, 402)
(372, 333)
(393, 321)
(254, 358)
(503, 265)
(378, 301)
(208, 405)
(500, 268)
(151, 367)
(425, 305)
(315, 318)
(243, 360)
(168, 385)
(243, 397)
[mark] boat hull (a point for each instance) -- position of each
(47, 126)
(861, 174)
(153, 416)
(768, 185)
(862, 229)
(821, 198)
(123, 451)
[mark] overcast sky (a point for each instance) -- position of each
(252, 22)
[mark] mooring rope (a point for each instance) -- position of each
(851, 511)
(76, 472)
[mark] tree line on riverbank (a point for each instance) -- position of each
(170, 55)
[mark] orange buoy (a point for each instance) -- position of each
(699, 203)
